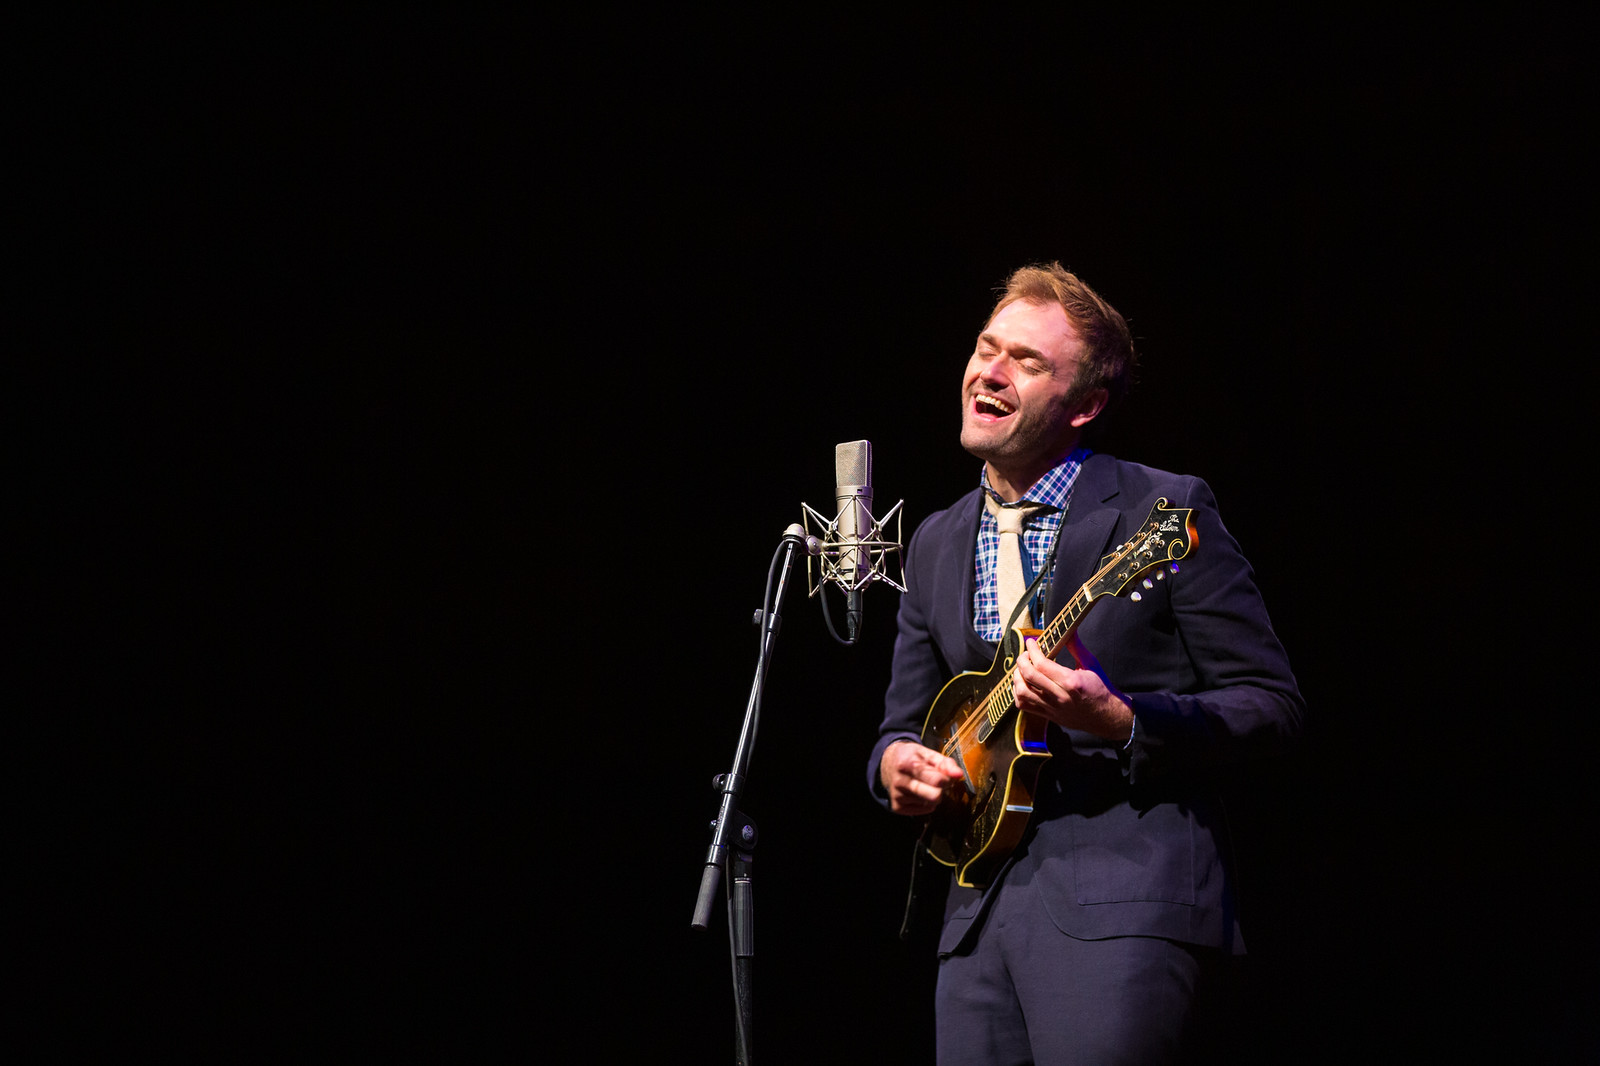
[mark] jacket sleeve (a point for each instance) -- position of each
(1236, 698)
(918, 671)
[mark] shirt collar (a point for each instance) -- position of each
(1054, 488)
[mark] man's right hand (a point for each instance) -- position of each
(915, 776)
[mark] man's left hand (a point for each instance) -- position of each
(1078, 698)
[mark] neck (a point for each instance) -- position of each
(1010, 484)
(1012, 481)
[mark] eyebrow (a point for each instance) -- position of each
(1018, 351)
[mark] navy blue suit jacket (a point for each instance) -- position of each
(1123, 841)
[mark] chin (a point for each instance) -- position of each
(982, 445)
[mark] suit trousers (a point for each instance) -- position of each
(1027, 993)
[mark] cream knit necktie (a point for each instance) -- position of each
(1009, 583)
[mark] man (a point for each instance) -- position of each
(1110, 916)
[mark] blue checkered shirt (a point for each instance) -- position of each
(1038, 538)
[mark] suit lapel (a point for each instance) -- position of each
(1087, 530)
(981, 649)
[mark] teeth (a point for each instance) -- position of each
(999, 405)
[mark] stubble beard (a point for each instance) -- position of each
(1026, 440)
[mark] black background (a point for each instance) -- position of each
(432, 393)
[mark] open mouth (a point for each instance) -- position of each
(984, 404)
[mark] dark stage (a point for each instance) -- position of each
(446, 386)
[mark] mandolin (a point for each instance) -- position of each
(974, 719)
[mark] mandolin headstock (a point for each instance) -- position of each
(1166, 536)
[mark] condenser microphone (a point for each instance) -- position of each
(857, 550)
(852, 481)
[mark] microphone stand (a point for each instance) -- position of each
(733, 833)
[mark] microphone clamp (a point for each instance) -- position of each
(853, 563)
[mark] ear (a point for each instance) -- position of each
(1088, 406)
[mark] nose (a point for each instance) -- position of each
(994, 373)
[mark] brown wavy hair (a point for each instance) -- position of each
(1109, 359)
